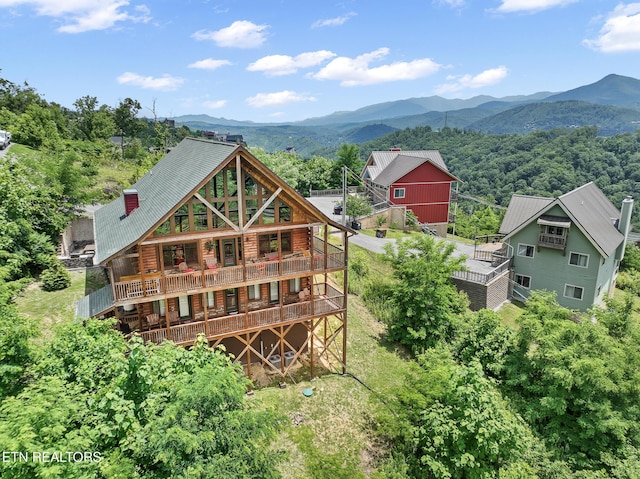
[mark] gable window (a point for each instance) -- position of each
(572, 291)
(579, 259)
(522, 280)
(398, 193)
(526, 250)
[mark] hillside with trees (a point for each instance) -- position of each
(542, 163)
(433, 389)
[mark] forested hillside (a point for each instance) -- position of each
(543, 163)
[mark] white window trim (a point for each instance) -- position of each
(522, 276)
(573, 297)
(580, 254)
(396, 195)
(533, 248)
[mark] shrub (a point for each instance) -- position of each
(55, 278)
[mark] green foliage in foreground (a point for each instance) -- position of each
(459, 424)
(425, 301)
(149, 412)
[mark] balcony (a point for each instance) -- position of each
(331, 301)
(552, 241)
(132, 288)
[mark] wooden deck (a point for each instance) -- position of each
(157, 285)
(217, 327)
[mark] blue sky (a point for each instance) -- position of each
(287, 60)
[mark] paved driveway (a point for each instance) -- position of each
(326, 204)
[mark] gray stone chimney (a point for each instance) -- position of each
(624, 225)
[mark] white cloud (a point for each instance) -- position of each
(453, 3)
(464, 82)
(278, 98)
(333, 22)
(214, 104)
(510, 6)
(356, 71)
(85, 15)
(621, 31)
(278, 65)
(240, 34)
(164, 83)
(209, 64)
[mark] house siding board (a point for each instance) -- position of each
(549, 269)
(427, 173)
(430, 213)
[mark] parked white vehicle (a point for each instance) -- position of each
(4, 140)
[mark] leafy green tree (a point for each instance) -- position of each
(151, 411)
(427, 304)
(482, 338)
(358, 206)
(15, 351)
(349, 156)
(631, 260)
(316, 174)
(286, 165)
(457, 423)
(93, 122)
(575, 384)
(126, 117)
(17, 98)
(36, 127)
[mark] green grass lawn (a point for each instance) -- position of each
(51, 308)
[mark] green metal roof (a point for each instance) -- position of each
(160, 191)
(95, 304)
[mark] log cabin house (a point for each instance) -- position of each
(211, 242)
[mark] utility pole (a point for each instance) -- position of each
(344, 195)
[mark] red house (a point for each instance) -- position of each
(418, 180)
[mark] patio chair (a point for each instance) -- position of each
(211, 263)
(153, 320)
(182, 267)
(172, 316)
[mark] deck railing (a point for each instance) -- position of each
(482, 278)
(331, 302)
(133, 287)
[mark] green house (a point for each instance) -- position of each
(572, 245)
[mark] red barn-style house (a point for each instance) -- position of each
(211, 242)
(417, 180)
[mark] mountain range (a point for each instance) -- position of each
(611, 104)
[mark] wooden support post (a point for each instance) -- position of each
(345, 290)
